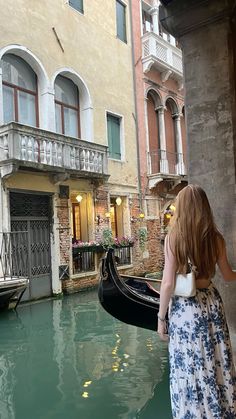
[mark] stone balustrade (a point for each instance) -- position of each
(43, 149)
(167, 58)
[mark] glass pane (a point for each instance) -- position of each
(113, 130)
(120, 21)
(26, 109)
(77, 4)
(18, 72)
(71, 122)
(66, 91)
(58, 118)
(76, 221)
(8, 104)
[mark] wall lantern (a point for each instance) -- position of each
(118, 200)
(79, 198)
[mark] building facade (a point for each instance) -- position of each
(68, 149)
(160, 114)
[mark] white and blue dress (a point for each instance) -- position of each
(202, 374)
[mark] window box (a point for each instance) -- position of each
(82, 249)
(98, 249)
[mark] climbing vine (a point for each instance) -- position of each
(142, 237)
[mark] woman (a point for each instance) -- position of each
(202, 374)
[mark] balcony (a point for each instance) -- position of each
(163, 56)
(24, 147)
(165, 166)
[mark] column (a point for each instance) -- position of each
(154, 12)
(47, 109)
(1, 99)
(210, 112)
(164, 167)
(180, 169)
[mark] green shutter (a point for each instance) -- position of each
(121, 21)
(113, 132)
(77, 4)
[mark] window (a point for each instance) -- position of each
(77, 5)
(113, 132)
(121, 21)
(76, 221)
(147, 22)
(19, 91)
(67, 107)
(116, 218)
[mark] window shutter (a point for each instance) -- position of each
(113, 130)
(121, 21)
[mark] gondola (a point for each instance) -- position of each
(129, 299)
(11, 292)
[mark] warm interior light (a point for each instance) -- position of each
(118, 200)
(107, 215)
(79, 198)
(141, 215)
(172, 207)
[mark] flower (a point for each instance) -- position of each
(112, 242)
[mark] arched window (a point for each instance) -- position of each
(19, 91)
(171, 147)
(153, 132)
(67, 107)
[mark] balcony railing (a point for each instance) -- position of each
(164, 162)
(165, 57)
(84, 259)
(13, 255)
(45, 150)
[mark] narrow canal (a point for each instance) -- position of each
(69, 359)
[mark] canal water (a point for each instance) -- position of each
(69, 359)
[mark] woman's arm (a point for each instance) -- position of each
(167, 288)
(223, 263)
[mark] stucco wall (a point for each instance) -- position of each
(92, 50)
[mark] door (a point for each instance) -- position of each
(32, 213)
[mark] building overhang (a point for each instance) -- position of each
(170, 180)
(161, 55)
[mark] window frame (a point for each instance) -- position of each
(81, 11)
(124, 23)
(121, 118)
(17, 89)
(65, 105)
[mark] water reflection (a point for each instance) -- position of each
(69, 359)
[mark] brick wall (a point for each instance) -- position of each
(64, 231)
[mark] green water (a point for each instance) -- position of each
(69, 359)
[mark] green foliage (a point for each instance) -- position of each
(142, 237)
(107, 239)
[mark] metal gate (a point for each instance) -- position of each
(31, 213)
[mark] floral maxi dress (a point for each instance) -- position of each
(202, 374)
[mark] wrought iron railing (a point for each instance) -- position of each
(84, 259)
(165, 162)
(123, 256)
(13, 255)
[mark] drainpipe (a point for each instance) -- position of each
(135, 108)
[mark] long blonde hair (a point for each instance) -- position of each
(193, 234)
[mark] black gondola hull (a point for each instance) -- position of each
(128, 301)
